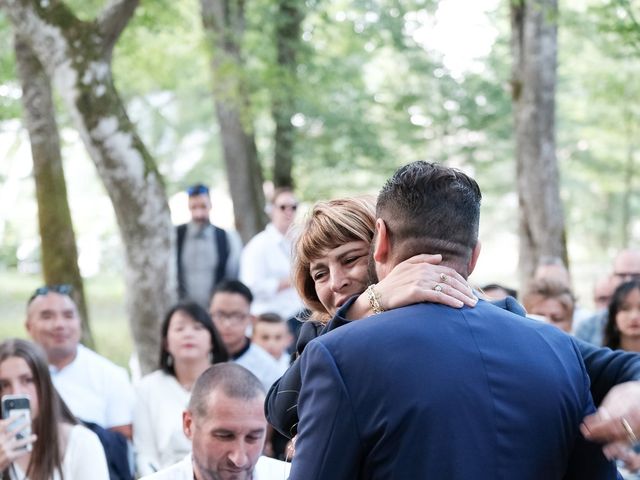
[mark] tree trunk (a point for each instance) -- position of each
(534, 47)
(289, 21)
(223, 21)
(629, 171)
(58, 242)
(77, 56)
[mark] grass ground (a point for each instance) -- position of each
(105, 297)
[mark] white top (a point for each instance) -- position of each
(157, 422)
(266, 469)
(284, 362)
(265, 261)
(83, 459)
(261, 364)
(95, 389)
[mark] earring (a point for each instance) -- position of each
(211, 357)
(169, 360)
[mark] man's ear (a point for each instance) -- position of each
(381, 246)
(187, 424)
(474, 258)
(27, 323)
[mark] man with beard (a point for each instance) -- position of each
(226, 425)
(429, 391)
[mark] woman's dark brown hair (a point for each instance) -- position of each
(47, 453)
(611, 337)
(199, 315)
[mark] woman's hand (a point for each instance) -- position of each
(10, 447)
(414, 281)
(421, 279)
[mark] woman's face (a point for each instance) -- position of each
(16, 378)
(187, 340)
(628, 316)
(555, 312)
(340, 273)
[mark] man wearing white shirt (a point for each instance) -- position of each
(95, 389)
(265, 264)
(226, 425)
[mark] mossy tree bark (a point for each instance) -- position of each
(224, 25)
(288, 26)
(534, 49)
(76, 55)
(58, 241)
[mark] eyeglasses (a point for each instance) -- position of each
(197, 190)
(293, 207)
(62, 289)
(233, 318)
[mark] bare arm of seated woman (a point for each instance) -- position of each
(413, 281)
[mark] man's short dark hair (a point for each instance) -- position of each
(430, 208)
(234, 380)
(234, 286)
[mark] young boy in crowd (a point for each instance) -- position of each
(271, 332)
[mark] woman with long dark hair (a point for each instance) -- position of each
(61, 449)
(622, 330)
(190, 344)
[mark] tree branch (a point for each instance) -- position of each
(112, 21)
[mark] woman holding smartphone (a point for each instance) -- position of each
(58, 447)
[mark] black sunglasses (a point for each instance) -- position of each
(62, 289)
(197, 190)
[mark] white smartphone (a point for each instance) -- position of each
(18, 407)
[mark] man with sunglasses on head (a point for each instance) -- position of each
(265, 264)
(96, 390)
(206, 254)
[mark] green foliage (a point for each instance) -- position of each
(599, 121)
(370, 97)
(617, 25)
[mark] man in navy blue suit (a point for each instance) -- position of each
(432, 392)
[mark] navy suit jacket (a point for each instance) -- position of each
(432, 392)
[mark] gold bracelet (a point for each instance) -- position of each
(374, 300)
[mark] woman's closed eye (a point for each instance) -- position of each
(318, 275)
(353, 259)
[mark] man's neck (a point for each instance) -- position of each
(59, 362)
(239, 349)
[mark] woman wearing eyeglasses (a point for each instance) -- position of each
(265, 263)
(58, 447)
(190, 344)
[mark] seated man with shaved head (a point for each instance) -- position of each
(226, 425)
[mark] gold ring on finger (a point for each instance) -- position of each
(630, 433)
